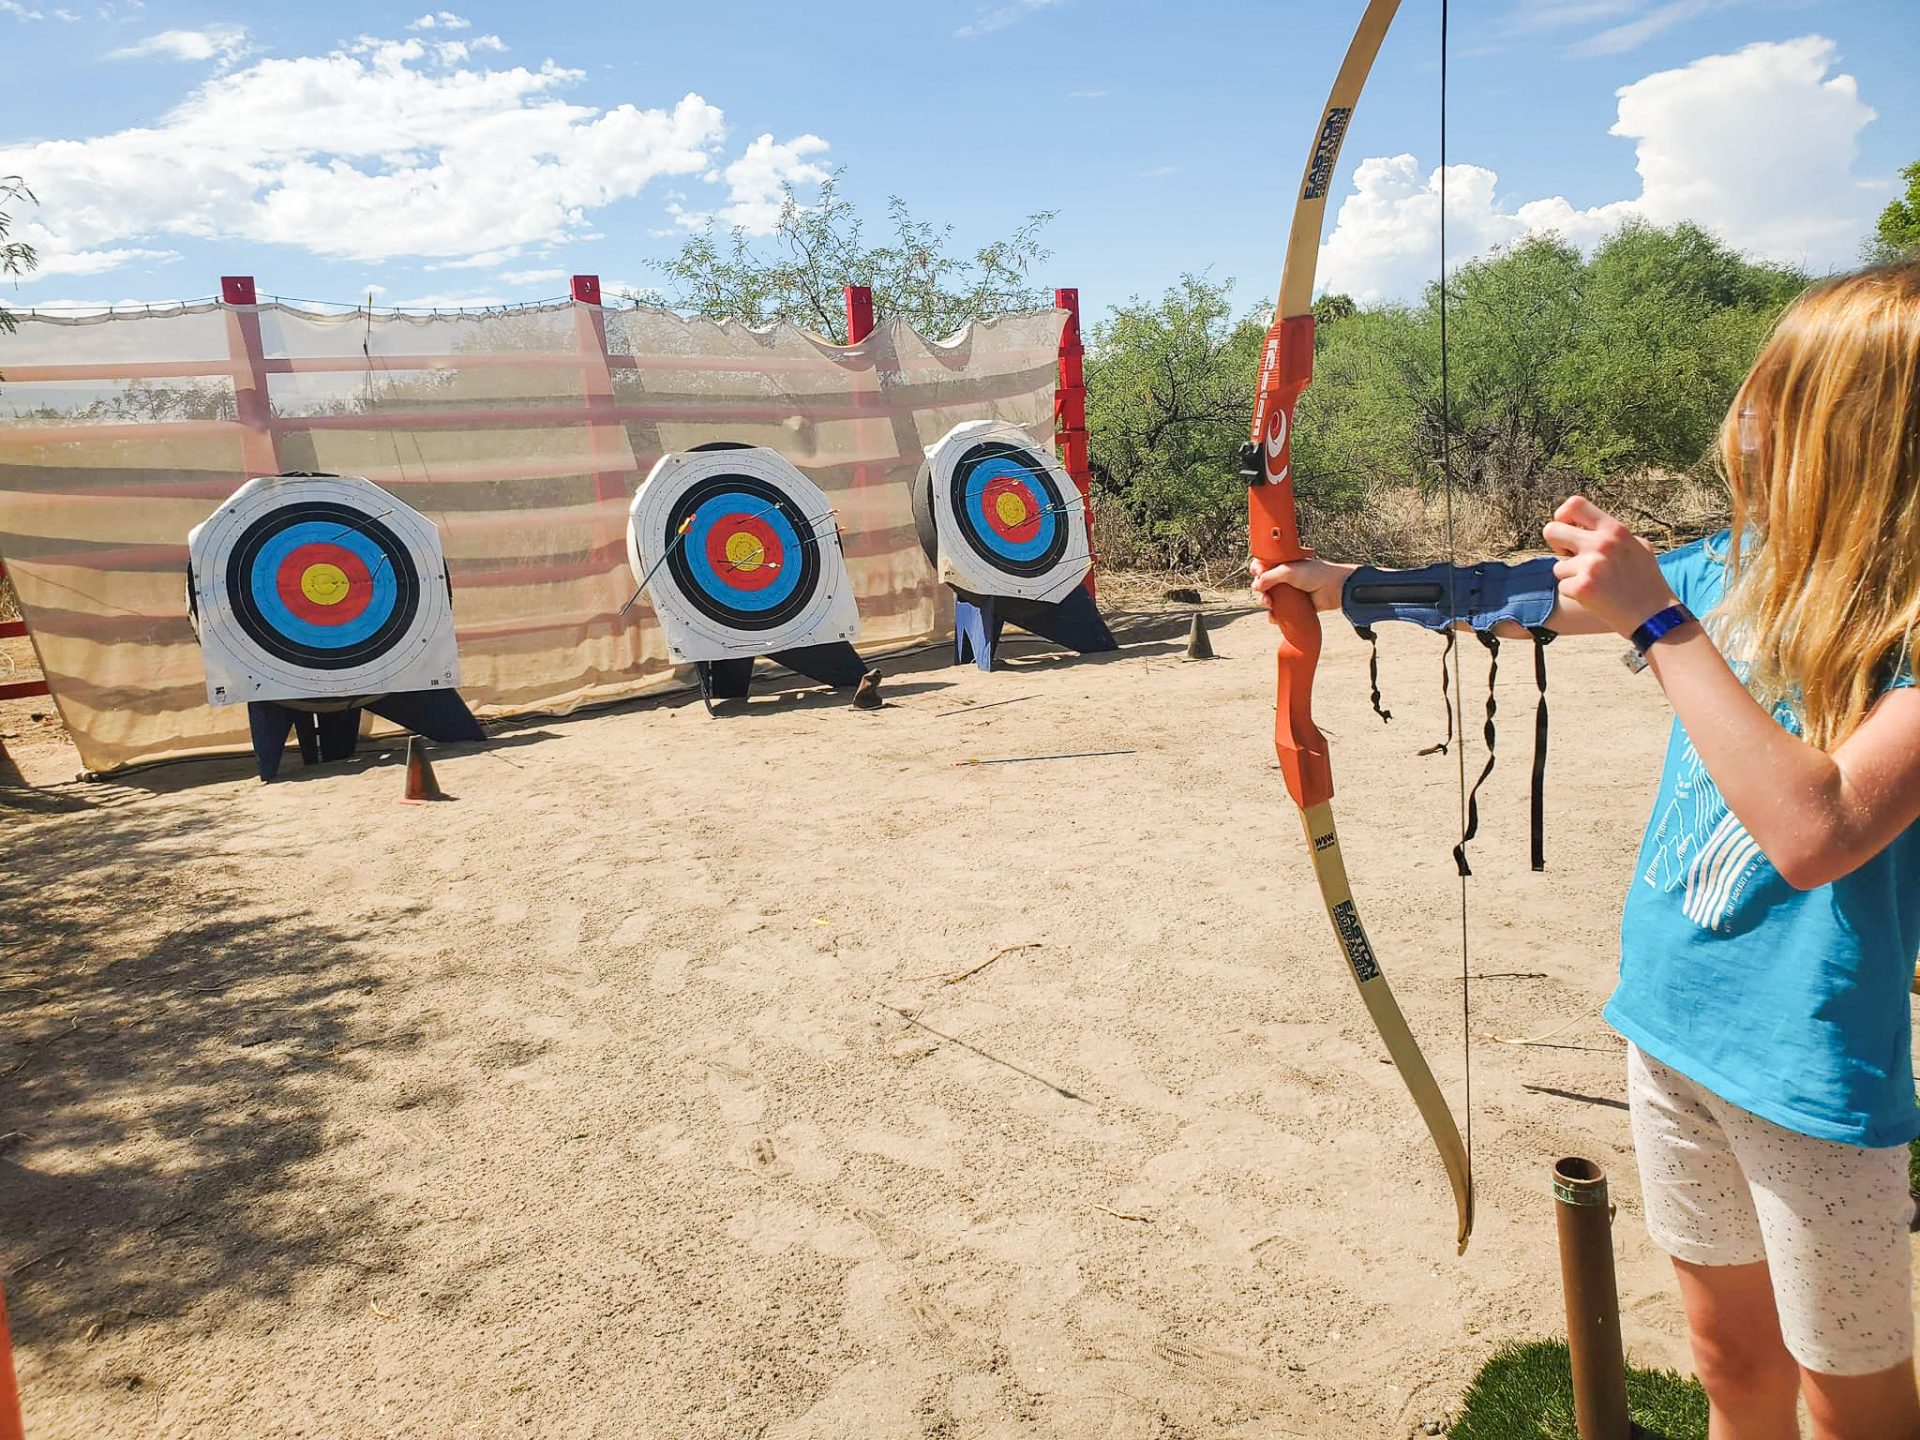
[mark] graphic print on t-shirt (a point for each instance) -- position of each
(1700, 848)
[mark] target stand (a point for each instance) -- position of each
(1006, 528)
(740, 556)
(318, 596)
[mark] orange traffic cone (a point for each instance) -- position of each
(421, 786)
(10, 1427)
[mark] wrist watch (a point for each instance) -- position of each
(1662, 623)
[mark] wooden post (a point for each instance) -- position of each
(258, 454)
(1584, 1220)
(1070, 411)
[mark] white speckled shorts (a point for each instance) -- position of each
(1724, 1187)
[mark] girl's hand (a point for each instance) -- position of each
(1604, 568)
(1322, 579)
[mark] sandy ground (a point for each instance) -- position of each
(590, 1105)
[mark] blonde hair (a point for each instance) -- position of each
(1821, 450)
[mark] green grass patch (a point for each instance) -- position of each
(1526, 1393)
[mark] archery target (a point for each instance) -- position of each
(317, 587)
(1005, 517)
(739, 554)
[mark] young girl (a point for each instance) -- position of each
(1773, 921)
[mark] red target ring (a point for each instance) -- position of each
(1013, 511)
(324, 584)
(745, 552)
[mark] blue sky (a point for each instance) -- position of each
(485, 155)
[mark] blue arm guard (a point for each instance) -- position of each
(1485, 594)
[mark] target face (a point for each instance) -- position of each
(1005, 517)
(739, 555)
(318, 587)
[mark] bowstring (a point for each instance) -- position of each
(1453, 607)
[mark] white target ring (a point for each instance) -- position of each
(1006, 517)
(319, 587)
(739, 553)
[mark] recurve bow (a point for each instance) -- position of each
(1286, 368)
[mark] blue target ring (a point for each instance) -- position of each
(989, 465)
(264, 583)
(1001, 467)
(370, 624)
(768, 595)
(718, 510)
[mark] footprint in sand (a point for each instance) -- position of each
(763, 1159)
(669, 975)
(736, 1090)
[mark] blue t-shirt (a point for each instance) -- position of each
(1791, 1004)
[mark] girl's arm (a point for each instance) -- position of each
(1817, 816)
(1324, 580)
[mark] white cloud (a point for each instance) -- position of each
(18, 11)
(375, 151)
(485, 260)
(755, 183)
(226, 43)
(452, 52)
(1001, 17)
(1086, 94)
(1628, 24)
(92, 262)
(440, 20)
(1632, 34)
(533, 277)
(443, 300)
(1719, 142)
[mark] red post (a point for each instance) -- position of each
(10, 1427)
(17, 689)
(859, 313)
(859, 301)
(251, 407)
(1070, 410)
(606, 437)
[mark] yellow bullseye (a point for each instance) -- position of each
(745, 552)
(1011, 509)
(324, 584)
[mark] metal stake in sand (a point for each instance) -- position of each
(1585, 1223)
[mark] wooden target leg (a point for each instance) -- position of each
(976, 629)
(268, 725)
(339, 732)
(1074, 622)
(306, 729)
(835, 663)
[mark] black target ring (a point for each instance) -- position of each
(242, 576)
(758, 499)
(1003, 456)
